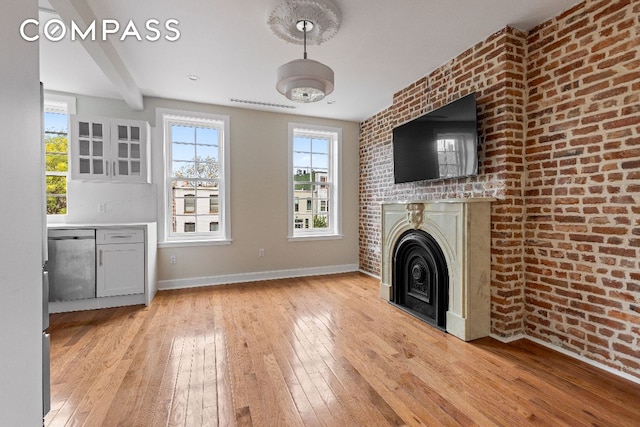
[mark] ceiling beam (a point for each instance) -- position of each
(102, 52)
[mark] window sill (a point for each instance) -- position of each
(191, 243)
(311, 237)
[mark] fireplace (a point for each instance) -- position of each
(420, 277)
(444, 251)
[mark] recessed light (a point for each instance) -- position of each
(193, 77)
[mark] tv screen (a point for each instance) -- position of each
(439, 145)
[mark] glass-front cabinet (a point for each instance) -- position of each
(104, 149)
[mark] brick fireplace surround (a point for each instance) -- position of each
(559, 123)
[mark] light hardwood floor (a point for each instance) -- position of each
(318, 351)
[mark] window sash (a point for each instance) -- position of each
(314, 168)
(197, 181)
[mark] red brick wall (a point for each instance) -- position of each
(559, 119)
(494, 69)
(583, 183)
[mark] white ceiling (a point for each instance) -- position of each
(381, 47)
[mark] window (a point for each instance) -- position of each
(213, 204)
(56, 141)
(314, 169)
(196, 174)
(190, 203)
(453, 156)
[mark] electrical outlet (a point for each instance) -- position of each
(261, 252)
(173, 259)
(102, 207)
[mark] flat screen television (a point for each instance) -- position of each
(441, 144)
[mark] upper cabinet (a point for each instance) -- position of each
(104, 149)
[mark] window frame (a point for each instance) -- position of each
(60, 104)
(165, 119)
(334, 231)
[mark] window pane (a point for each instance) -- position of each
(320, 161)
(56, 122)
(135, 167)
(135, 151)
(84, 147)
(83, 129)
(320, 146)
(123, 133)
(123, 150)
(97, 130)
(97, 148)
(56, 126)
(135, 133)
(181, 133)
(301, 161)
(183, 151)
(207, 151)
(207, 136)
(183, 169)
(301, 144)
(123, 167)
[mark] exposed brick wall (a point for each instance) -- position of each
(559, 118)
(494, 69)
(583, 183)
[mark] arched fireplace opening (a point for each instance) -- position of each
(420, 277)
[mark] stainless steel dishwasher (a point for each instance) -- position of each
(72, 264)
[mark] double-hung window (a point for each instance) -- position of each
(196, 176)
(56, 146)
(314, 181)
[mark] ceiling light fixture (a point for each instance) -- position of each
(302, 22)
(305, 80)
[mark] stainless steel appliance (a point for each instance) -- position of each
(46, 338)
(72, 264)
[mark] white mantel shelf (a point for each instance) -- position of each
(462, 228)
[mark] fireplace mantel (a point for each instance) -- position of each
(462, 228)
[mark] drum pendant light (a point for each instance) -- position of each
(305, 80)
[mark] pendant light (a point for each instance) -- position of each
(305, 80)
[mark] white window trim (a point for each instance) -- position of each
(163, 119)
(335, 179)
(62, 104)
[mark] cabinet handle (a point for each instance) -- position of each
(100, 258)
(114, 168)
(106, 167)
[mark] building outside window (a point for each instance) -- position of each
(196, 176)
(314, 168)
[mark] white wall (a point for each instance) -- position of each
(20, 222)
(259, 174)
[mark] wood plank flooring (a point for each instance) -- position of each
(317, 351)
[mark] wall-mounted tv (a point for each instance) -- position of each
(441, 144)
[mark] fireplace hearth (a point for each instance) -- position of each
(420, 277)
(433, 240)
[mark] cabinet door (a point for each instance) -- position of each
(90, 148)
(129, 146)
(120, 269)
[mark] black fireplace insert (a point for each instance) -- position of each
(420, 277)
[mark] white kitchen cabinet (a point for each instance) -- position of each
(104, 149)
(120, 268)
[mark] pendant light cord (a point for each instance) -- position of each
(304, 31)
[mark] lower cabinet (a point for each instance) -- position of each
(120, 266)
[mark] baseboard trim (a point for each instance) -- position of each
(569, 353)
(252, 277)
(507, 340)
(369, 274)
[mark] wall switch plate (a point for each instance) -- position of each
(261, 252)
(173, 259)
